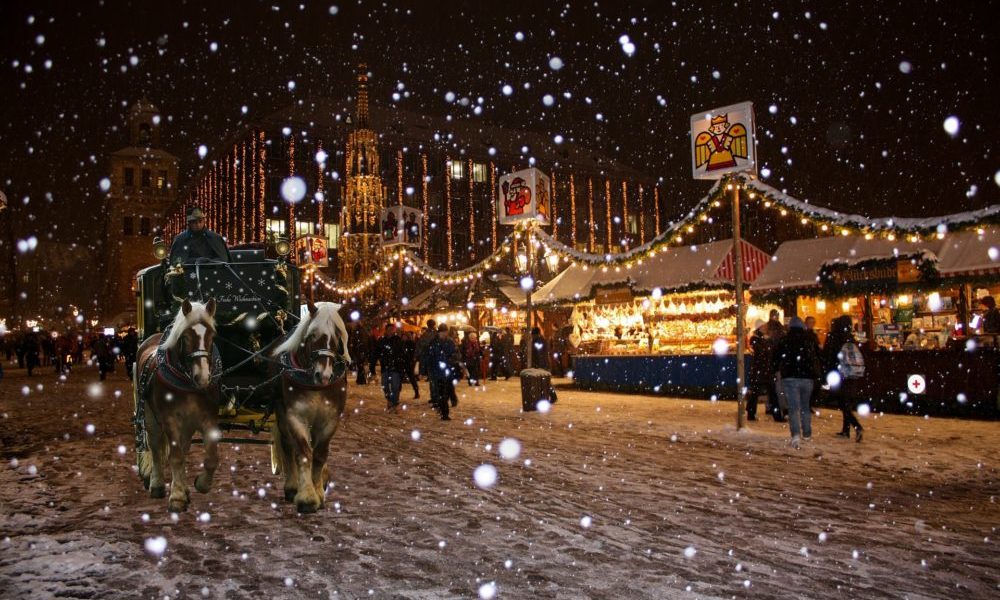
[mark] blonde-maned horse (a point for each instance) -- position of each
(180, 395)
(314, 358)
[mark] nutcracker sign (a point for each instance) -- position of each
(722, 141)
(312, 250)
(400, 226)
(524, 195)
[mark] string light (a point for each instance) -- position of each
(423, 191)
(552, 206)
(642, 217)
(656, 202)
(607, 209)
(447, 201)
(493, 205)
(261, 187)
(399, 177)
(292, 233)
(244, 205)
(320, 197)
(625, 230)
(590, 214)
(472, 212)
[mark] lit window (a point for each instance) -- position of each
(457, 169)
(479, 172)
(633, 224)
(276, 226)
(333, 235)
(304, 228)
(161, 180)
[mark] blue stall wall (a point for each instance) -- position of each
(697, 375)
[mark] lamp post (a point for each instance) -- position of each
(528, 284)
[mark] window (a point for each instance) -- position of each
(457, 169)
(633, 224)
(276, 226)
(129, 177)
(479, 172)
(161, 180)
(146, 178)
(333, 235)
(128, 227)
(144, 224)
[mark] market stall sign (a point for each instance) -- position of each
(613, 295)
(916, 384)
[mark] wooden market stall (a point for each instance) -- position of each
(668, 324)
(914, 306)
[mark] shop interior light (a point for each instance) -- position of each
(845, 306)
(821, 306)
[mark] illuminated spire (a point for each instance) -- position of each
(362, 122)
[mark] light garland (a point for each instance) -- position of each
(426, 217)
(244, 205)
(590, 213)
(656, 202)
(447, 201)
(321, 198)
(261, 187)
(472, 212)
(607, 210)
(292, 233)
(642, 218)
(493, 205)
(625, 231)
(399, 177)
(552, 207)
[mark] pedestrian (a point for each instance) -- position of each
(440, 354)
(358, 347)
(428, 335)
(797, 360)
(105, 356)
(394, 364)
(130, 345)
(845, 366)
(457, 367)
(31, 350)
(539, 350)
(760, 380)
(991, 318)
(472, 354)
(410, 354)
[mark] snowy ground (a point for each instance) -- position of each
(612, 496)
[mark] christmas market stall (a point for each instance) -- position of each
(916, 305)
(665, 325)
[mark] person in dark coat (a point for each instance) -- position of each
(797, 359)
(410, 353)
(31, 349)
(197, 242)
(991, 318)
(358, 347)
(392, 355)
(843, 389)
(440, 355)
(130, 345)
(426, 338)
(105, 356)
(760, 381)
(539, 350)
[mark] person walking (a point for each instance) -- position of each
(845, 366)
(410, 354)
(797, 360)
(760, 380)
(358, 347)
(440, 354)
(428, 335)
(472, 354)
(130, 346)
(32, 351)
(539, 350)
(394, 363)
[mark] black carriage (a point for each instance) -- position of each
(257, 301)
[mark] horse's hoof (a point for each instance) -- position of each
(306, 507)
(158, 491)
(290, 494)
(203, 483)
(177, 506)
(145, 483)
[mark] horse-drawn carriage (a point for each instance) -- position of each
(219, 339)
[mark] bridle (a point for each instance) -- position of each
(302, 376)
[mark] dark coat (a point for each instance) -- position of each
(190, 246)
(440, 358)
(539, 352)
(392, 354)
(762, 364)
(797, 356)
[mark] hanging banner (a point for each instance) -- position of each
(524, 195)
(400, 226)
(722, 141)
(312, 250)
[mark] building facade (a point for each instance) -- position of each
(143, 190)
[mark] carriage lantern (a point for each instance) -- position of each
(282, 247)
(159, 248)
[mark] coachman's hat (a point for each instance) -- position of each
(195, 214)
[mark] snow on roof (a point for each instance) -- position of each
(797, 263)
(669, 269)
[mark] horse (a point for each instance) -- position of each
(314, 359)
(177, 379)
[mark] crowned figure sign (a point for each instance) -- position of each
(722, 141)
(400, 226)
(524, 195)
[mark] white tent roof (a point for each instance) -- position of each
(797, 263)
(670, 269)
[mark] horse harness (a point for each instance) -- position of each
(173, 376)
(301, 377)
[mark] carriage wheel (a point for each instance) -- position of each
(142, 454)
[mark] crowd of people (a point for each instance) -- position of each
(789, 367)
(36, 350)
(440, 355)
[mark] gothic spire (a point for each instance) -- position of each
(362, 122)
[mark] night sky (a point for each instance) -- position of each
(851, 99)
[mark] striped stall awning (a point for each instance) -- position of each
(754, 260)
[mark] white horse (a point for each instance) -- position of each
(313, 394)
(181, 397)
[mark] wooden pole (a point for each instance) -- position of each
(740, 335)
(531, 273)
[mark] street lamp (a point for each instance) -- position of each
(522, 263)
(160, 250)
(552, 260)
